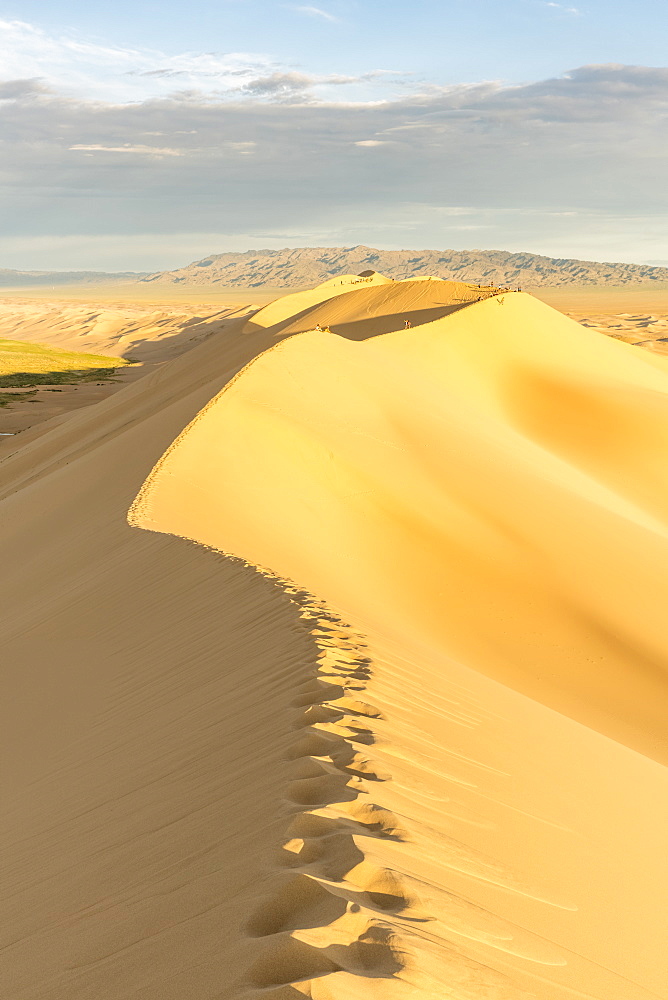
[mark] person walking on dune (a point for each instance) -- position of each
(407, 325)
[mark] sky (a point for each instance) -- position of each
(147, 135)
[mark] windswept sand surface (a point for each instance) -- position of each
(432, 766)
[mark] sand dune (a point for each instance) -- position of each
(435, 778)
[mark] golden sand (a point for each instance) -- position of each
(431, 765)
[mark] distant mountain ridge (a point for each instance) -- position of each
(303, 266)
(19, 279)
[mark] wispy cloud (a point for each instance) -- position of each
(315, 12)
(563, 8)
(129, 148)
(279, 85)
(36, 61)
(301, 87)
(78, 66)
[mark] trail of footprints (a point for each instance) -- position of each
(331, 908)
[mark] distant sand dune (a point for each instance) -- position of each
(218, 785)
(145, 331)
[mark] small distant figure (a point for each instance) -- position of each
(318, 327)
(407, 325)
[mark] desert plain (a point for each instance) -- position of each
(334, 645)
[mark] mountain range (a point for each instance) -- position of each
(302, 266)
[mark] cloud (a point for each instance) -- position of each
(11, 90)
(301, 87)
(279, 84)
(129, 148)
(315, 12)
(563, 8)
(158, 73)
(79, 67)
(585, 151)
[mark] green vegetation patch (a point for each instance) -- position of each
(27, 365)
(7, 398)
